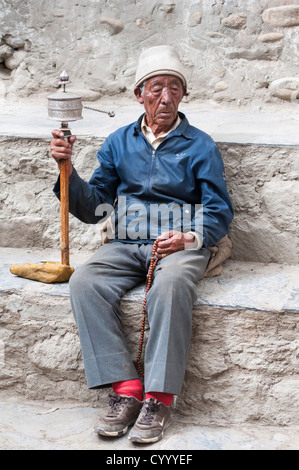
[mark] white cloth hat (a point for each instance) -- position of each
(159, 60)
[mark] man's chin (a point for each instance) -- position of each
(165, 118)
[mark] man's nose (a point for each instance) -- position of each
(166, 95)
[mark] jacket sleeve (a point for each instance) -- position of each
(217, 211)
(86, 197)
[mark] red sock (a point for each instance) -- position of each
(166, 398)
(129, 388)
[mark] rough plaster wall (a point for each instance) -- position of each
(262, 182)
(234, 51)
(243, 364)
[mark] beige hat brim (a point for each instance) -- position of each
(161, 72)
(159, 60)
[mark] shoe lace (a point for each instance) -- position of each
(116, 403)
(149, 410)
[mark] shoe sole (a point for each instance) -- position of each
(120, 433)
(149, 440)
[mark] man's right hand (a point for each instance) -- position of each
(62, 149)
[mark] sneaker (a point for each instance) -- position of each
(153, 419)
(123, 412)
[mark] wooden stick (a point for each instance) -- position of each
(64, 201)
(64, 211)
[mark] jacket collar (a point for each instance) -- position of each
(183, 129)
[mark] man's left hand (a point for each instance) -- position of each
(174, 241)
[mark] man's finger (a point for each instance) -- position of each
(56, 133)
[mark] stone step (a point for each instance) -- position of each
(42, 425)
(243, 364)
(29, 119)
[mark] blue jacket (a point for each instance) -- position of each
(185, 171)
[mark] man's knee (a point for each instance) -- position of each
(175, 278)
(89, 283)
(79, 281)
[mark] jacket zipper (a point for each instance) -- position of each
(147, 193)
(150, 172)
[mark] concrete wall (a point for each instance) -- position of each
(261, 179)
(238, 52)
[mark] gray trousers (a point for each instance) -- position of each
(96, 288)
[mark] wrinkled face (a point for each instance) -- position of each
(161, 98)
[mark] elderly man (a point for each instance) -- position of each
(159, 160)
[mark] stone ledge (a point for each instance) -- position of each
(242, 285)
(280, 128)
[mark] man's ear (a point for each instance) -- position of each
(137, 93)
